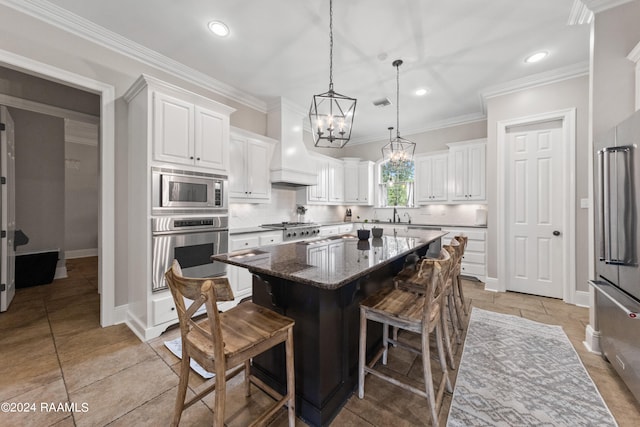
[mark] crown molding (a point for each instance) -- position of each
(579, 14)
(450, 122)
(540, 79)
(67, 21)
(597, 6)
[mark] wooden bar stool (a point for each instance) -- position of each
(457, 285)
(420, 313)
(226, 341)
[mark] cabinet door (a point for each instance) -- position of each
(211, 140)
(365, 183)
(439, 178)
(238, 173)
(258, 179)
(318, 192)
(173, 133)
(351, 183)
(458, 173)
(336, 182)
(476, 172)
(423, 179)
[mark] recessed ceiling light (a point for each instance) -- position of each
(422, 91)
(219, 28)
(538, 56)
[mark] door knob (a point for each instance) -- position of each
(556, 233)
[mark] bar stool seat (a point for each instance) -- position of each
(224, 343)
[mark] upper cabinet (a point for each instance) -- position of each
(467, 170)
(431, 178)
(187, 129)
(329, 188)
(249, 178)
(358, 181)
(336, 181)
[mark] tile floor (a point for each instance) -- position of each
(53, 351)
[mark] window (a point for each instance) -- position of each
(396, 184)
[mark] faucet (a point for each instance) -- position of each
(408, 217)
(396, 215)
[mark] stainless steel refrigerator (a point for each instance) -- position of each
(617, 282)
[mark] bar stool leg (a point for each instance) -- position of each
(363, 350)
(220, 397)
(385, 342)
(428, 378)
(182, 388)
(291, 383)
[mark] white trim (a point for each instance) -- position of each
(579, 14)
(582, 299)
(106, 218)
(568, 117)
(120, 314)
(634, 56)
(601, 5)
(74, 24)
(493, 284)
(61, 273)
(50, 110)
(548, 77)
(592, 340)
(81, 253)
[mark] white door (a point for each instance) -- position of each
(535, 209)
(8, 208)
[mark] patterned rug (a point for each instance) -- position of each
(517, 372)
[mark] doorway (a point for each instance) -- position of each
(536, 208)
(106, 220)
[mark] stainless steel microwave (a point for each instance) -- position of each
(187, 191)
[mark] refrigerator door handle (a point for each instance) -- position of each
(604, 192)
(627, 215)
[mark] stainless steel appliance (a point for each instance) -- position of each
(295, 230)
(177, 191)
(617, 282)
(190, 240)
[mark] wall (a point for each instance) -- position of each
(433, 140)
(572, 93)
(29, 37)
(39, 180)
(81, 199)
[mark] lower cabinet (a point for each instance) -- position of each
(474, 262)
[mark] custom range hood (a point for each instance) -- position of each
(291, 164)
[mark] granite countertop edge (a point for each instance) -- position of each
(258, 229)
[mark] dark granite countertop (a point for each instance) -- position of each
(328, 263)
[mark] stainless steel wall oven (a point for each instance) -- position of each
(190, 240)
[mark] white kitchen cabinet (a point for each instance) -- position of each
(329, 188)
(336, 181)
(189, 134)
(474, 262)
(249, 175)
(358, 181)
(431, 178)
(467, 170)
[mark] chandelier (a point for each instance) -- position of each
(331, 114)
(398, 151)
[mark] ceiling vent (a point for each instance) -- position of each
(382, 102)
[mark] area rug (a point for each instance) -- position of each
(175, 347)
(517, 372)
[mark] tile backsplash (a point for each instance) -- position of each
(283, 208)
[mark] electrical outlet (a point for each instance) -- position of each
(585, 203)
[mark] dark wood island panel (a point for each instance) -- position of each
(320, 285)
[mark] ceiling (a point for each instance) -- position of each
(459, 50)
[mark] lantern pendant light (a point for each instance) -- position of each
(398, 151)
(331, 114)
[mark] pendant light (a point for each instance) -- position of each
(331, 114)
(398, 151)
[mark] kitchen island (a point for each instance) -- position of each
(320, 283)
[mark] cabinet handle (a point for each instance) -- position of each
(191, 157)
(197, 158)
(246, 244)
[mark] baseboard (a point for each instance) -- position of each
(492, 284)
(61, 273)
(592, 340)
(135, 325)
(120, 314)
(81, 253)
(582, 299)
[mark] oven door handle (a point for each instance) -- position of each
(200, 231)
